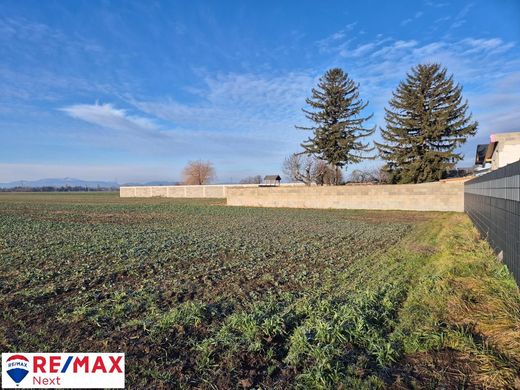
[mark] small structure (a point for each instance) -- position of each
(271, 181)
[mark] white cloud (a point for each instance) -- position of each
(394, 50)
(387, 59)
(359, 51)
(337, 35)
(437, 4)
(442, 19)
(497, 106)
(242, 103)
(492, 45)
(460, 18)
(240, 115)
(330, 43)
(107, 116)
(14, 31)
(417, 15)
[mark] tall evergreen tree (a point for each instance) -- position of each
(337, 122)
(425, 123)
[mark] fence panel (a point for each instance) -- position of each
(492, 201)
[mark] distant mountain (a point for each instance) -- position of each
(70, 182)
(152, 183)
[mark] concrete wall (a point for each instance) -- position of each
(207, 191)
(492, 201)
(439, 196)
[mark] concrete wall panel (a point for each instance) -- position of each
(439, 196)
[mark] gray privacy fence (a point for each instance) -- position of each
(492, 201)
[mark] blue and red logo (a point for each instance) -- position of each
(17, 367)
(69, 370)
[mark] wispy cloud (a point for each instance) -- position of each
(359, 51)
(330, 43)
(437, 4)
(246, 103)
(460, 18)
(492, 45)
(187, 131)
(29, 47)
(497, 107)
(385, 59)
(14, 31)
(107, 116)
(409, 20)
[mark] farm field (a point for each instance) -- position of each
(200, 295)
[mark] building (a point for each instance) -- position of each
(507, 149)
(271, 181)
(503, 149)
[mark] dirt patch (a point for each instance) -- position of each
(380, 216)
(426, 250)
(446, 369)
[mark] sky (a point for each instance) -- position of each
(131, 91)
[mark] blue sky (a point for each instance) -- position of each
(132, 90)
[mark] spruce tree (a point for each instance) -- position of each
(337, 122)
(425, 123)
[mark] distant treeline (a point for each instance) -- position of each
(59, 189)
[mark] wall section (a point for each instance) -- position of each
(438, 196)
(492, 201)
(206, 191)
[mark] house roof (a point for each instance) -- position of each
(484, 153)
(490, 150)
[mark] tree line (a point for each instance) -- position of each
(426, 120)
(58, 189)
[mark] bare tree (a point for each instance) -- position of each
(381, 175)
(326, 174)
(299, 168)
(309, 169)
(376, 175)
(251, 180)
(360, 176)
(321, 172)
(198, 172)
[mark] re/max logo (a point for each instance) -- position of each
(63, 370)
(85, 364)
